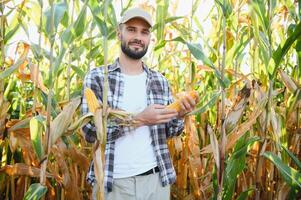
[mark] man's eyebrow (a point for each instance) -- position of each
(130, 27)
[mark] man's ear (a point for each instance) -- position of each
(118, 34)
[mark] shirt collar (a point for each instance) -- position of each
(116, 66)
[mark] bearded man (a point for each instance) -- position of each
(137, 162)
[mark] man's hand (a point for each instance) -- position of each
(155, 114)
(187, 104)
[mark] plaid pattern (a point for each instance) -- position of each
(158, 92)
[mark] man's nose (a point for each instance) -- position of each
(139, 41)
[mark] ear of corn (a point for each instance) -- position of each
(92, 101)
(176, 105)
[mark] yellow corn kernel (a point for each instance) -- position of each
(92, 101)
(176, 105)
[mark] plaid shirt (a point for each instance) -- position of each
(158, 92)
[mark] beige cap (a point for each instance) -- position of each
(136, 13)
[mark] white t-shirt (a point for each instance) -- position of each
(134, 153)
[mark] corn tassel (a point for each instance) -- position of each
(176, 105)
(92, 101)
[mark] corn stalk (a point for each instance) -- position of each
(70, 57)
(49, 99)
(39, 62)
(223, 144)
(2, 22)
(99, 147)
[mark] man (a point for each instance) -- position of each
(137, 162)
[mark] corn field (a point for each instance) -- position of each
(243, 141)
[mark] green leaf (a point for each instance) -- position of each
(36, 131)
(236, 164)
(66, 38)
(225, 6)
(39, 52)
(161, 14)
(54, 104)
(241, 150)
(11, 33)
(244, 195)
(299, 9)
(290, 175)
(293, 157)
(197, 52)
(78, 71)
(205, 107)
(102, 26)
(293, 100)
(11, 69)
(167, 20)
(281, 51)
(79, 25)
(60, 9)
(35, 192)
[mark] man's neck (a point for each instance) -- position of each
(130, 66)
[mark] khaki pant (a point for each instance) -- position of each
(147, 187)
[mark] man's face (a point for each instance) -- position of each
(135, 38)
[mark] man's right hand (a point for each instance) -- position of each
(155, 114)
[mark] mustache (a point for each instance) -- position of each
(137, 42)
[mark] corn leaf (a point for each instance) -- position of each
(197, 52)
(288, 81)
(293, 157)
(79, 25)
(35, 191)
(207, 105)
(236, 164)
(60, 9)
(214, 147)
(244, 195)
(281, 51)
(21, 169)
(11, 33)
(294, 100)
(21, 124)
(167, 20)
(290, 175)
(13, 68)
(60, 124)
(36, 131)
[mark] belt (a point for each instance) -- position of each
(151, 171)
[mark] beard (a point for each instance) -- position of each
(132, 53)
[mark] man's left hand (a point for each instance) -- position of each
(187, 104)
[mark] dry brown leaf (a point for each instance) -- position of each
(214, 146)
(19, 138)
(4, 106)
(36, 77)
(21, 169)
(71, 188)
(98, 160)
(237, 109)
(78, 157)
(288, 82)
(20, 184)
(22, 48)
(241, 129)
(60, 124)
